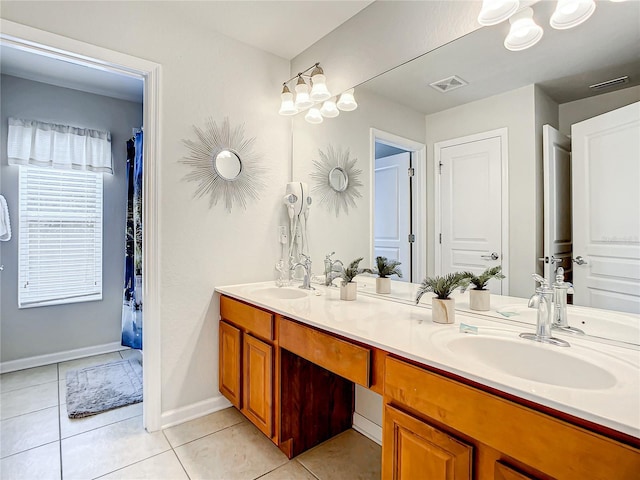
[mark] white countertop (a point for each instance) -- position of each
(408, 331)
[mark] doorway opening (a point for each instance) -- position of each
(398, 206)
(49, 47)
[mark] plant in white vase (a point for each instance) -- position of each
(348, 288)
(479, 296)
(443, 307)
(384, 269)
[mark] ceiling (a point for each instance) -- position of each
(283, 28)
(564, 63)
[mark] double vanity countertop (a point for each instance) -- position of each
(595, 381)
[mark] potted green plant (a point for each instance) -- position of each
(348, 288)
(384, 269)
(479, 295)
(443, 308)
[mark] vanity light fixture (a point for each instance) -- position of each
(571, 13)
(287, 107)
(496, 11)
(524, 32)
(319, 100)
(329, 109)
(302, 94)
(347, 101)
(313, 116)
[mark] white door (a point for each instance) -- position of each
(606, 210)
(392, 216)
(556, 167)
(471, 206)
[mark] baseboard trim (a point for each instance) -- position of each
(195, 410)
(367, 428)
(48, 359)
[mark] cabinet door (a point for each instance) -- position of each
(413, 449)
(258, 383)
(230, 355)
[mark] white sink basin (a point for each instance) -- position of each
(529, 360)
(283, 293)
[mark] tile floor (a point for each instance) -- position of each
(39, 441)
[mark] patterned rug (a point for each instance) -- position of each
(104, 387)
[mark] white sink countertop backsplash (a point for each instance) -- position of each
(408, 331)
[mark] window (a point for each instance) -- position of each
(60, 236)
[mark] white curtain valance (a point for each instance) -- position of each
(41, 144)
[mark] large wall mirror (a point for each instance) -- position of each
(501, 108)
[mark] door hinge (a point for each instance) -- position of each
(411, 171)
(440, 167)
(412, 238)
(440, 238)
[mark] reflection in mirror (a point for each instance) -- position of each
(521, 92)
(228, 165)
(338, 179)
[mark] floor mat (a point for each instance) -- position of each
(99, 388)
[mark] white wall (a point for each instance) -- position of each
(384, 35)
(38, 331)
(203, 74)
(514, 110)
(579, 110)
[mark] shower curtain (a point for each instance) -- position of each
(132, 298)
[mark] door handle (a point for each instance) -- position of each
(580, 261)
(493, 256)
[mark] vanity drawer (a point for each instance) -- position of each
(252, 319)
(341, 357)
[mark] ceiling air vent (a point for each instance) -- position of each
(610, 83)
(448, 84)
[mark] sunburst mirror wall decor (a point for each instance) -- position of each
(336, 180)
(224, 164)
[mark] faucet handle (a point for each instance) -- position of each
(540, 279)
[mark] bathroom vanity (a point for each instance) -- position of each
(289, 360)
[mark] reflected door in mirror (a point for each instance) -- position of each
(470, 178)
(606, 210)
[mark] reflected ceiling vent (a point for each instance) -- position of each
(447, 84)
(610, 83)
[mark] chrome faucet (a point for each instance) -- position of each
(332, 269)
(306, 266)
(560, 291)
(543, 301)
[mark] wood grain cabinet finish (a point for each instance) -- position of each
(252, 319)
(344, 358)
(413, 449)
(257, 373)
(539, 444)
(229, 374)
(505, 472)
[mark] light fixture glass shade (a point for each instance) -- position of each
(347, 101)
(329, 109)
(496, 11)
(287, 107)
(302, 95)
(319, 90)
(571, 13)
(313, 116)
(524, 32)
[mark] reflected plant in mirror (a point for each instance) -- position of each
(336, 179)
(479, 295)
(385, 268)
(224, 164)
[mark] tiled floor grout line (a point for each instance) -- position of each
(28, 449)
(204, 436)
(173, 449)
(129, 465)
(28, 413)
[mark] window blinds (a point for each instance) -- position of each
(60, 237)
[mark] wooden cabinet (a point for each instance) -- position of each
(502, 432)
(247, 362)
(257, 371)
(230, 345)
(414, 449)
